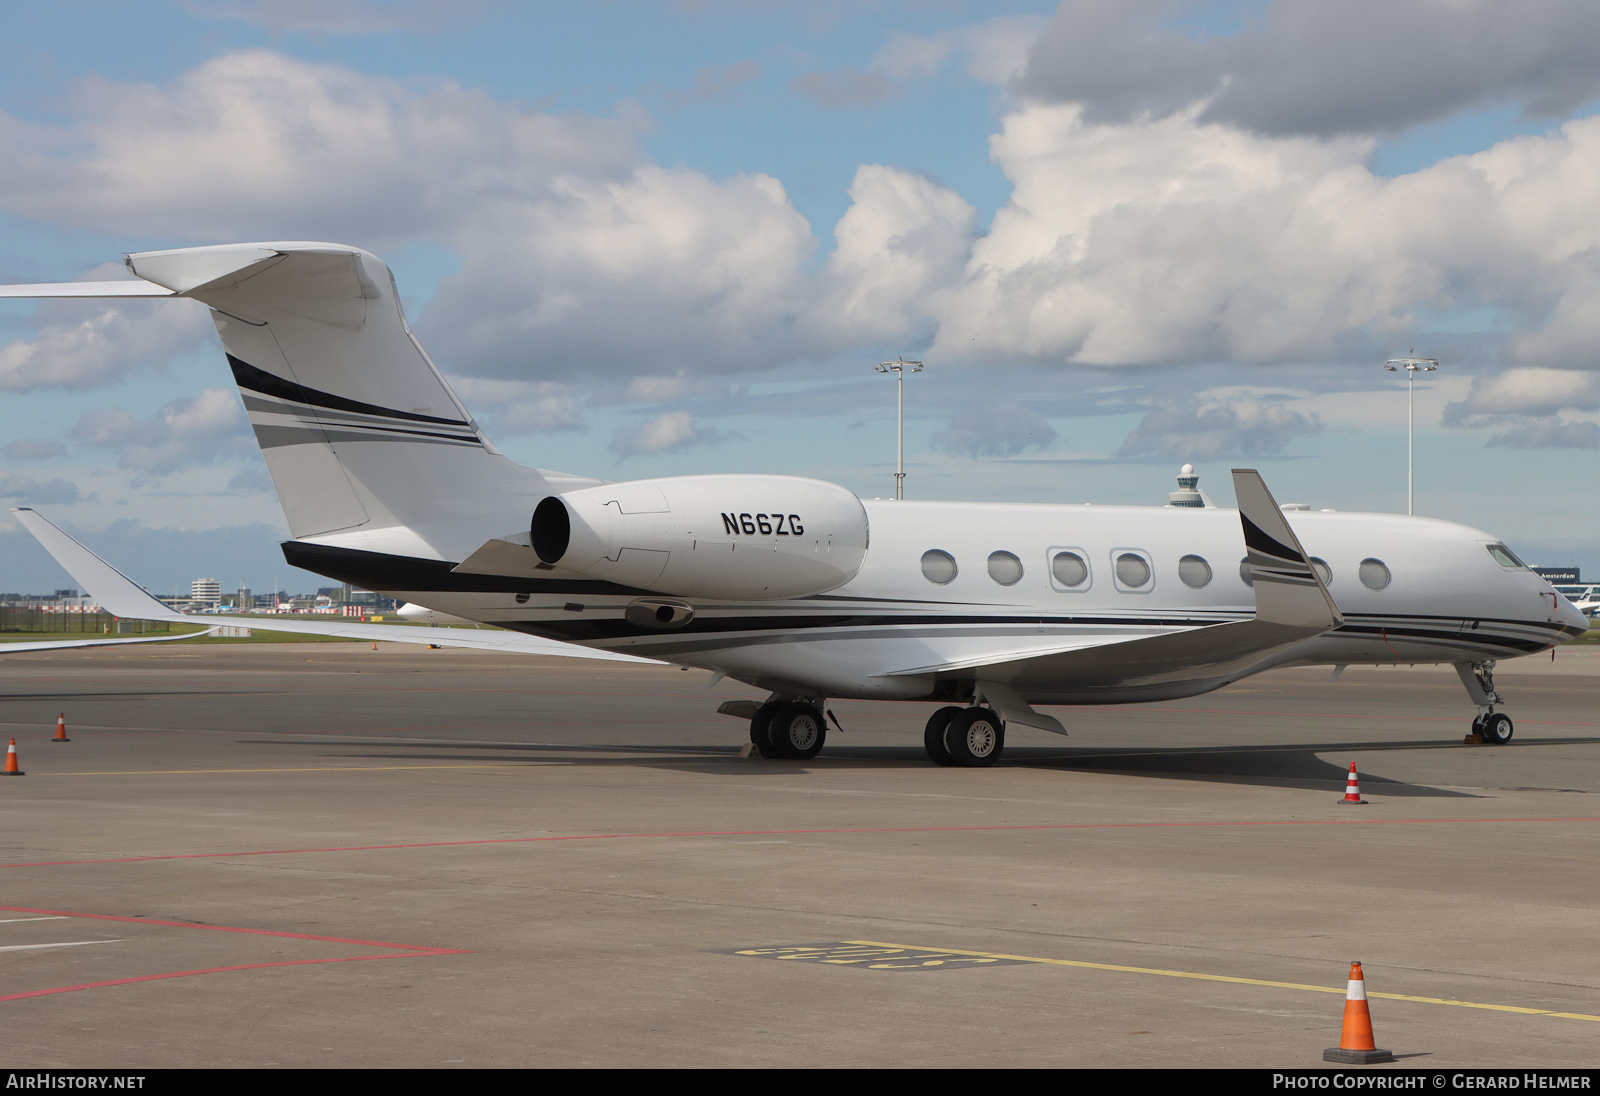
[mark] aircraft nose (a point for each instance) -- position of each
(1572, 618)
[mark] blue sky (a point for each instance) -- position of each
(658, 239)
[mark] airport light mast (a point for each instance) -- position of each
(1412, 366)
(898, 368)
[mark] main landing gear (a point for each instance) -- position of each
(793, 729)
(969, 737)
(1490, 726)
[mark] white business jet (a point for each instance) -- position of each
(793, 585)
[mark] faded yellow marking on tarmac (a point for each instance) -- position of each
(309, 769)
(1236, 980)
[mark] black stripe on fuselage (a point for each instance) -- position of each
(381, 571)
(249, 377)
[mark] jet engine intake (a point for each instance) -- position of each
(721, 537)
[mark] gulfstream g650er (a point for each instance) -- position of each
(794, 585)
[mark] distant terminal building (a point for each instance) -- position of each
(208, 590)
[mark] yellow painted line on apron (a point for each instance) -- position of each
(1237, 981)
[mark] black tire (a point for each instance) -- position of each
(975, 738)
(1496, 729)
(798, 731)
(761, 728)
(933, 737)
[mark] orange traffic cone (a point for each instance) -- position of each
(11, 761)
(1356, 1046)
(61, 729)
(1352, 790)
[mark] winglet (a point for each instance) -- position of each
(116, 592)
(1288, 589)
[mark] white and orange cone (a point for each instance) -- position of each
(61, 729)
(1356, 1044)
(1352, 791)
(11, 761)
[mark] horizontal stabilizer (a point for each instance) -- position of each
(119, 595)
(125, 288)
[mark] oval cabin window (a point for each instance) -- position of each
(1005, 568)
(1194, 571)
(1069, 569)
(1132, 570)
(938, 567)
(1374, 575)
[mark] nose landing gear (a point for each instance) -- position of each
(1490, 726)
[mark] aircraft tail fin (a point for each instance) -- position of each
(363, 437)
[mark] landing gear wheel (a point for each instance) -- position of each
(797, 731)
(761, 729)
(975, 738)
(1495, 728)
(933, 737)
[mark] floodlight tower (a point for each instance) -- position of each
(1412, 366)
(898, 368)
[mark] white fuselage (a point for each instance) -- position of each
(1446, 599)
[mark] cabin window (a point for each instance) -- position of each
(1069, 570)
(1374, 575)
(1244, 572)
(1132, 570)
(1324, 572)
(1005, 568)
(1194, 571)
(1505, 557)
(938, 567)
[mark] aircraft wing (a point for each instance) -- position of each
(63, 644)
(122, 597)
(1292, 605)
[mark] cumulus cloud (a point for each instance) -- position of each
(1534, 408)
(258, 144)
(994, 430)
(668, 432)
(1174, 241)
(522, 407)
(903, 238)
(1171, 239)
(86, 344)
(1362, 66)
(25, 489)
(995, 52)
(1209, 427)
(184, 433)
(663, 268)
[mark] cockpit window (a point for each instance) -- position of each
(1505, 557)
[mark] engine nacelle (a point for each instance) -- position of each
(725, 537)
